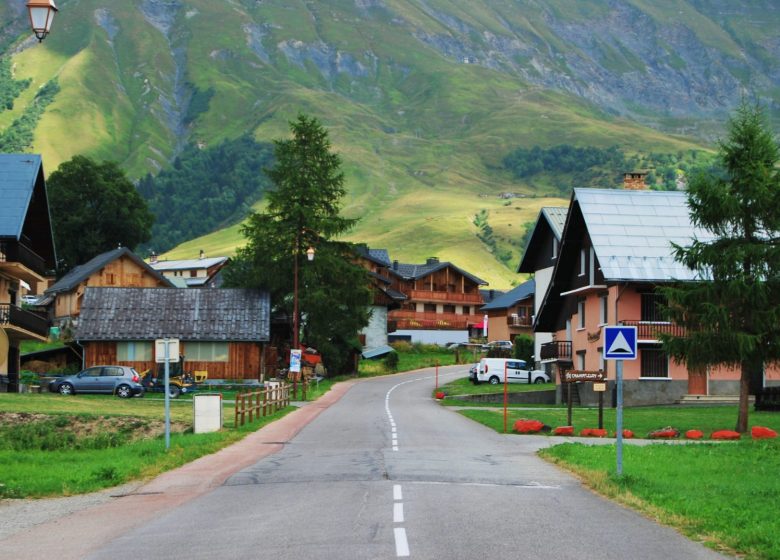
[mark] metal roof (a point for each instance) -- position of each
(507, 300)
(632, 232)
(414, 271)
(556, 217)
(80, 273)
(18, 174)
(188, 264)
(197, 314)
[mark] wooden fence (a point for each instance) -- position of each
(261, 403)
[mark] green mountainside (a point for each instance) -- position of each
(424, 99)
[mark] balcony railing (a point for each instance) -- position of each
(428, 324)
(13, 316)
(518, 321)
(11, 251)
(650, 330)
(449, 297)
(432, 316)
(560, 350)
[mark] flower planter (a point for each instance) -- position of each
(726, 434)
(694, 434)
(564, 431)
(524, 426)
(440, 395)
(761, 432)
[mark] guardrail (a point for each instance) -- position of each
(650, 330)
(13, 251)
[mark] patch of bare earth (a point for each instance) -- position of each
(135, 428)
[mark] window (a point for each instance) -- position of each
(206, 351)
(467, 310)
(112, 372)
(193, 273)
(581, 312)
(581, 360)
(654, 361)
(134, 351)
(603, 302)
(449, 308)
(582, 262)
(430, 308)
(651, 307)
(110, 278)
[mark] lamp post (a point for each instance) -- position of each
(41, 15)
(296, 318)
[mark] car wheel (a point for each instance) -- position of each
(494, 380)
(124, 391)
(66, 389)
(539, 380)
(174, 391)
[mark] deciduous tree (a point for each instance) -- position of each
(94, 208)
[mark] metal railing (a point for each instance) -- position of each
(12, 251)
(17, 317)
(560, 350)
(650, 330)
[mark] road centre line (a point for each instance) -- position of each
(397, 493)
(401, 544)
(398, 512)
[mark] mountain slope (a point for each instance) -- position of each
(423, 98)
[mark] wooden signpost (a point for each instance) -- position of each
(576, 376)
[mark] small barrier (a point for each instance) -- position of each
(274, 397)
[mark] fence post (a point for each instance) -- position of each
(303, 388)
(251, 408)
(235, 412)
(265, 401)
(243, 409)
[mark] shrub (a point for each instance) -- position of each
(391, 361)
(402, 346)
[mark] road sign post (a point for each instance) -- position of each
(163, 347)
(619, 344)
(506, 393)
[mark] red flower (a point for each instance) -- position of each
(726, 434)
(694, 434)
(760, 432)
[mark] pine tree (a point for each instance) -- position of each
(302, 211)
(732, 317)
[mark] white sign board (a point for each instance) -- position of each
(173, 350)
(295, 361)
(206, 413)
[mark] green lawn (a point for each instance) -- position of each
(724, 495)
(410, 357)
(52, 445)
(463, 386)
(640, 420)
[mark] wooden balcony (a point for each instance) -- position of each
(22, 324)
(433, 324)
(514, 321)
(560, 351)
(650, 330)
(432, 316)
(20, 261)
(444, 297)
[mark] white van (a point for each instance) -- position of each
(492, 371)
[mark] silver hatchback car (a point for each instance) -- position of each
(122, 381)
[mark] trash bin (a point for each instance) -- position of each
(206, 413)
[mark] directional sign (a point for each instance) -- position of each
(620, 343)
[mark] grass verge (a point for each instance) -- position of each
(724, 495)
(640, 420)
(463, 386)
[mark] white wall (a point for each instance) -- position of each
(543, 278)
(435, 337)
(376, 330)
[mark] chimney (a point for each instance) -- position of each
(202, 254)
(153, 257)
(432, 260)
(395, 265)
(634, 181)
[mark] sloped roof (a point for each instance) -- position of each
(556, 217)
(206, 314)
(507, 300)
(551, 217)
(80, 273)
(188, 264)
(378, 256)
(632, 232)
(18, 174)
(415, 271)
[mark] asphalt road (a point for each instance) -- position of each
(387, 473)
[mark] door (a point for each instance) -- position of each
(516, 372)
(88, 381)
(110, 378)
(697, 381)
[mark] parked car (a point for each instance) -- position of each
(122, 381)
(504, 344)
(30, 300)
(492, 371)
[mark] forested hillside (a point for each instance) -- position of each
(424, 99)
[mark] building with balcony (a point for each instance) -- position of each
(385, 298)
(203, 272)
(539, 259)
(616, 248)
(27, 257)
(509, 314)
(442, 302)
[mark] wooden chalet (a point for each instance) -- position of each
(203, 272)
(26, 257)
(221, 331)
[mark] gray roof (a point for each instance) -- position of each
(206, 314)
(80, 273)
(188, 264)
(18, 174)
(632, 232)
(414, 271)
(556, 217)
(507, 300)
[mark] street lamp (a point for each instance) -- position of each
(296, 318)
(41, 15)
